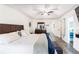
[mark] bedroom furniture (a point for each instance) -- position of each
(38, 31)
(77, 35)
(40, 28)
(11, 43)
(7, 28)
(27, 44)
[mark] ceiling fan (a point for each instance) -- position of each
(46, 10)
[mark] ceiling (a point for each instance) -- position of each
(43, 11)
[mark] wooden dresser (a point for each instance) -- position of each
(39, 31)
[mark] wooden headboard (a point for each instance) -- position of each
(7, 28)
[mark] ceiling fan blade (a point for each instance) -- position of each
(50, 11)
(54, 9)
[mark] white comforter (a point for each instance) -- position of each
(25, 45)
(41, 45)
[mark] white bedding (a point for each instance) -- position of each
(7, 49)
(41, 45)
(24, 44)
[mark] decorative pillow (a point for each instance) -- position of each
(23, 33)
(19, 33)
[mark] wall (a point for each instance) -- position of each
(65, 36)
(64, 26)
(9, 15)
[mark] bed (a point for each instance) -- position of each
(32, 44)
(14, 40)
(22, 45)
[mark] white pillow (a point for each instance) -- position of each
(9, 37)
(24, 33)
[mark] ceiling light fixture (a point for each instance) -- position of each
(47, 10)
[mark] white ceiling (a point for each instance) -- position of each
(35, 11)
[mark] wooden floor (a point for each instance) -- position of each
(67, 48)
